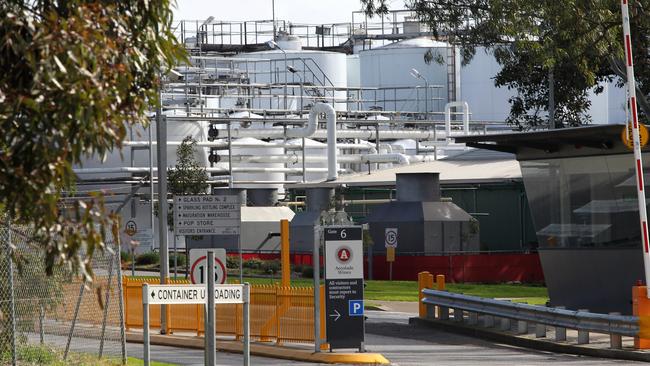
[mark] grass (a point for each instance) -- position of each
(408, 290)
(46, 356)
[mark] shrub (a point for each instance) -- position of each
(125, 256)
(272, 266)
(308, 272)
(182, 259)
(232, 262)
(297, 268)
(253, 263)
(148, 258)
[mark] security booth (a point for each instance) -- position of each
(581, 188)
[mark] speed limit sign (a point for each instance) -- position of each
(199, 262)
(391, 237)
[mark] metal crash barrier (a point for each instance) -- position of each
(436, 304)
(277, 314)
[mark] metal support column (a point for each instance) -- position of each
(317, 309)
(210, 334)
(161, 151)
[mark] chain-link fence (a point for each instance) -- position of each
(45, 316)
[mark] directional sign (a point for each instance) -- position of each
(207, 215)
(199, 260)
(344, 286)
(391, 237)
(193, 294)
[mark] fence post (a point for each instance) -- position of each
(145, 324)
(560, 333)
(41, 331)
(247, 326)
(583, 335)
(12, 300)
(423, 282)
(615, 340)
(443, 312)
(74, 319)
(106, 304)
(277, 313)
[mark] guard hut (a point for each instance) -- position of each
(580, 184)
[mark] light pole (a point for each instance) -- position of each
(416, 74)
(274, 45)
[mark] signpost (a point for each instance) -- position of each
(197, 294)
(199, 260)
(390, 244)
(344, 286)
(207, 215)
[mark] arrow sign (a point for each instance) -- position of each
(336, 315)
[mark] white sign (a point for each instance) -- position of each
(199, 261)
(391, 237)
(193, 294)
(344, 259)
(207, 215)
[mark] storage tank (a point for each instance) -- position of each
(319, 68)
(249, 146)
(390, 66)
(312, 149)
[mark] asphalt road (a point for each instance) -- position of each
(404, 345)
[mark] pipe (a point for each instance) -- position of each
(310, 129)
(209, 170)
(448, 107)
(386, 158)
(223, 144)
(277, 133)
(347, 158)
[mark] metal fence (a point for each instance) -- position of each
(41, 314)
(277, 314)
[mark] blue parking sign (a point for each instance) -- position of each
(355, 307)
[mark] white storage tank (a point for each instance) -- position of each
(249, 146)
(313, 148)
(390, 67)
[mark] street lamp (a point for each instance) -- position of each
(416, 74)
(272, 45)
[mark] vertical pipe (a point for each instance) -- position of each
(631, 87)
(247, 326)
(317, 302)
(284, 252)
(175, 257)
(210, 347)
(12, 300)
(229, 157)
(161, 150)
(145, 325)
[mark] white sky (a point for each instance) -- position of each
(296, 11)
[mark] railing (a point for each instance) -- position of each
(437, 303)
(280, 314)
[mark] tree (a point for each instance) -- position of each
(575, 43)
(75, 73)
(188, 176)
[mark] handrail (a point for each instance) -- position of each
(580, 320)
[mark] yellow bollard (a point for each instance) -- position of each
(440, 282)
(284, 253)
(425, 280)
(641, 308)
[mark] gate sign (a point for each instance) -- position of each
(130, 228)
(207, 215)
(199, 261)
(344, 286)
(193, 294)
(391, 237)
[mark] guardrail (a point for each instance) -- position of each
(436, 304)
